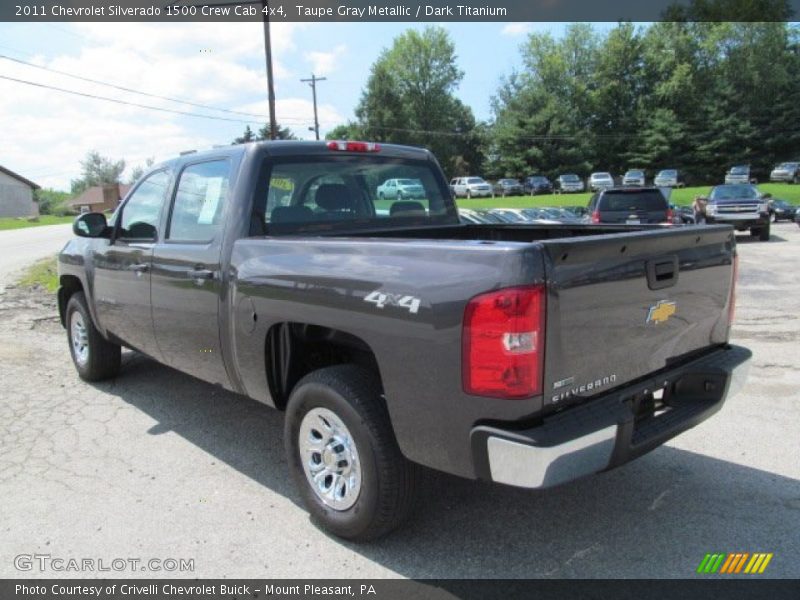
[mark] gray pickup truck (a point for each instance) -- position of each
(742, 206)
(393, 336)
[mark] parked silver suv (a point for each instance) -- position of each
(788, 171)
(470, 187)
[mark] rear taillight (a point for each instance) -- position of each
(596, 216)
(343, 146)
(503, 343)
(732, 299)
(670, 215)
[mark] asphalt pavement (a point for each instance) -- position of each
(157, 465)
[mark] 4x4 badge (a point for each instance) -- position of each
(661, 312)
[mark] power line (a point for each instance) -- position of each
(125, 102)
(133, 91)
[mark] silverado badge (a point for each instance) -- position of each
(661, 312)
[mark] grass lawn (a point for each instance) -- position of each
(42, 274)
(684, 196)
(13, 223)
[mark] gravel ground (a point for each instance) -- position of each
(158, 465)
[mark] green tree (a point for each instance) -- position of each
(410, 98)
(281, 133)
(139, 170)
(50, 201)
(543, 115)
(247, 136)
(347, 131)
(97, 170)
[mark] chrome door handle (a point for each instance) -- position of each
(139, 268)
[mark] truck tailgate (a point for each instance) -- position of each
(620, 307)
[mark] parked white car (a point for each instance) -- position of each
(634, 177)
(569, 182)
(600, 181)
(470, 187)
(667, 178)
(738, 174)
(400, 189)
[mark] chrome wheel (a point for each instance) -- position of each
(79, 338)
(330, 458)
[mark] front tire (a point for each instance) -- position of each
(763, 234)
(343, 455)
(94, 357)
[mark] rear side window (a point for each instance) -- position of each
(637, 201)
(199, 202)
(352, 192)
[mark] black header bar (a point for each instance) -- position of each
(400, 10)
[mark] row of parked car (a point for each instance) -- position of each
(477, 187)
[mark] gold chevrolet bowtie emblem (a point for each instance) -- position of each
(661, 312)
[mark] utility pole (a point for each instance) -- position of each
(313, 83)
(273, 125)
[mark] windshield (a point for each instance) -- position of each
(601, 175)
(338, 193)
(634, 173)
(668, 173)
(509, 182)
(739, 170)
(633, 201)
(570, 177)
(734, 192)
(787, 166)
(475, 180)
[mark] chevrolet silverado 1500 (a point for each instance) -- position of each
(392, 335)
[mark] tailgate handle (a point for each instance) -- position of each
(662, 272)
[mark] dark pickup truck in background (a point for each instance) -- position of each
(742, 206)
(394, 336)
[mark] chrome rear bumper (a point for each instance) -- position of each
(609, 431)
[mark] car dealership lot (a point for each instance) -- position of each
(156, 465)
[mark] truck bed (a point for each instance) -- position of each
(604, 285)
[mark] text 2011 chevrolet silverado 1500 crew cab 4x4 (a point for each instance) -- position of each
(393, 336)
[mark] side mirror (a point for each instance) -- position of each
(90, 225)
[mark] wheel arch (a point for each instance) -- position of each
(68, 285)
(293, 349)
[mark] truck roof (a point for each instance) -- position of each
(296, 147)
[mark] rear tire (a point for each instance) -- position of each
(94, 357)
(763, 234)
(343, 455)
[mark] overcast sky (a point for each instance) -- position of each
(45, 133)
